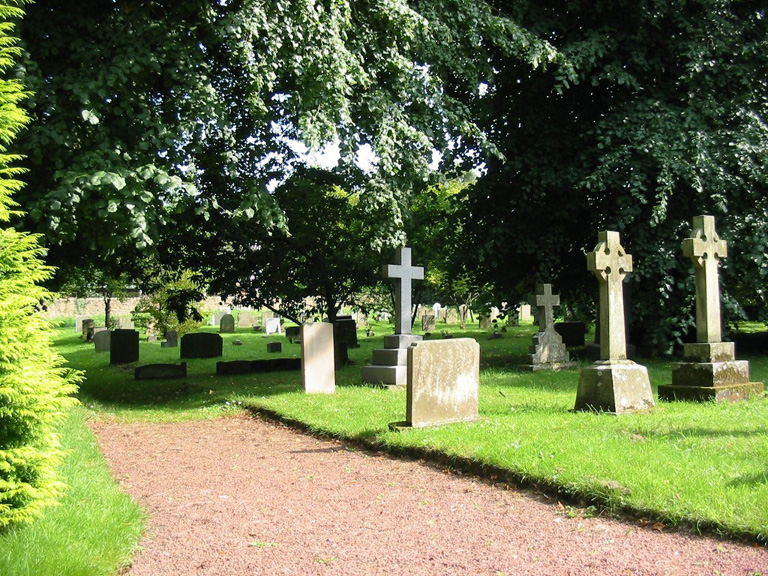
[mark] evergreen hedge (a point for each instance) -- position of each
(35, 387)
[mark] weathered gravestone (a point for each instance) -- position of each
(201, 345)
(293, 333)
(524, 315)
(227, 324)
(710, 369)
(613, 383)
(124, 347)
(272, 326)
(102, 340)
(160, 371)
(443, 382)
(86, 329)
(451, 316)
(548, 351)
(345, 331)
(485, 322)
(79, 322)
(171, 339)
(318, 358)
(390, 365)
(274, 347)
(244, 319)
(428, 323)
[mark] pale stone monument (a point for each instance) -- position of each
(227, 324)
(318, 358)
(710, 369)
(548, 351)
(390, 365)
(102, 340)
(525, 313)
(272, 326)
(613, 383)
(244, 319)
(443, 382)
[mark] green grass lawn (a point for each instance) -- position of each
(702, 464)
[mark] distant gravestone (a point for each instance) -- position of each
(201, 345)
(613, 384)
(124, 347)
(293, 333)
(318, 358)
(79, 322)
(272, 326)
(257, 366)
(274, 347)
(443, 382)
(171, 339)
(86, 329)
(547, 351)
(525, 313)
(244, 319)
(227, 324)
(102, 340)
(345, 331)
(451, 316)
(428, 323)
(484, 322)
(160, 371)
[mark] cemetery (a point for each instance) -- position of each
(383, 288)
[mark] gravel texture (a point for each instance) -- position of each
(241, 496)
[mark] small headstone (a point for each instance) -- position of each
(485, 322)
(151, 337)
(443, 382)
(293, 333)
(451, 316)
(86, 329)
(124, 347)
(345, 331)
(201, 345)
(613, 384)
(318, 358)
(548, 351)
(237, 342)
(160, 371)
(272, 326)
(102, 340)
(79, 322)
(227, 324)
(274, 347)
(244, 319)
(171, 339)
(428, 322)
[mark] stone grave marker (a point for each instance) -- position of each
(428, 323)
(274, 347)
(710, 369)
(451, 316)
(318, 374)
(171, 339)
(257, 366)
(102, 340)
(244, 319)
(160, 371)
(201, 345)
(86, 329)
(443, 382)
(484, 322)
(272, 326)
(613, 383)
(227, 324)
(548, 351)
(390, 365)
(524, 314)
(79, 322)
(124, 347)
(293, 333)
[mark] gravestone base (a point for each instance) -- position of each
(728, 393)
(390, 364)
(616, 386)
(549, 366)
(548, 353)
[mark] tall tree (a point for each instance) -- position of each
(34, 385)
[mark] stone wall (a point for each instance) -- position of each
(69, 307)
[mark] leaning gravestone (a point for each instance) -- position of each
(318, 358)
(548, 351)
(443, 382)
(124, 347)
(227, 324)
(390, 365)
(428, 323)
(613, 383)
(201, 345)
(710, 369)
(102, 340)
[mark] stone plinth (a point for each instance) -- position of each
(390, 364)
(617, 386)
(318, 374)
(443, 382)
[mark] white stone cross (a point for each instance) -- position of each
(405, 273)
(705, 250)
(610, 263)
(545, 302)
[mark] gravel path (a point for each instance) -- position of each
(240, 496)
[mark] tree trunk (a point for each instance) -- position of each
(107, 308)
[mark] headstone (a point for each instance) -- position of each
(525, 313)
(272, 326)
(171, 339)
(266, 314)
(390, 365)
(345, 331)
(293, 333)
(614, 383)
(227, 324)
(201, 345)
(151, 337)
(443, 382)
(217, 316)
(160, 371)
(79, 322)
(548, 351)
(124, 347)
(710, 369)
(274, 347)
(428, 323)
(451, 316)
(244, 319)
(86, 328)
(257, 366)
(318, 358)
(484, 322)
(102, 340)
